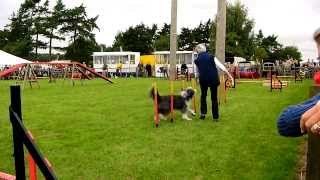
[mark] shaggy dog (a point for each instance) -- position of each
(180, 102)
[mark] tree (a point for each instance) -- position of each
(19, 34)
(239, 35)
(162, 39)
(260, 54)
(272, 46)
(137, 39)
(239, 29)
(186, 39)
(289, 52)
(189, 38)
(54, 23)
(3, 38)
(201, 34)
(40, 12)
(78, 24)
(81, 50)
(162, 43)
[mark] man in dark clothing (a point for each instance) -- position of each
(149, 70)
(208, 78)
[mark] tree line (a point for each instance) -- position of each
(241, 41)
(35, 26)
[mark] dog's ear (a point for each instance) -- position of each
(184, 93)
(190, 88)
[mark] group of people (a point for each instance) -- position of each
(144, 70)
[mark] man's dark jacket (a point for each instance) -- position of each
(208, 73)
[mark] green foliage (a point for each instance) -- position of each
(162, 43)
(260, 54)
(189, 38)
(186, 39)
(77, 22)
(162, 39)
(3, 38)
(40, 20)
(34, 22)
(239, 28)
(20, 48)
(81, 50)
(137, 39)
(290, 52)
(54, 23)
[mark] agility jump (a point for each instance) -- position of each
(164, 106)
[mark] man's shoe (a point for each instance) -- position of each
(202, 116)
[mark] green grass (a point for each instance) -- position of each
(102, 131)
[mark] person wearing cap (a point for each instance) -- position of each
(302, 118)
(208, 78)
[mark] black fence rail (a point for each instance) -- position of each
(21, 138)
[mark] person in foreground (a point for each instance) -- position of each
(208, 78)
(302, 118)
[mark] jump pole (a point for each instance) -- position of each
(155, 105)
(193, 85)
(183, 85)
(171, 101)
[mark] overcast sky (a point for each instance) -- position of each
(294, 21)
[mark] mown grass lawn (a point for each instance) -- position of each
(103, 131)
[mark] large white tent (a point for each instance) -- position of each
(7, 59)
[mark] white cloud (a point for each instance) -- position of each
(292, 20)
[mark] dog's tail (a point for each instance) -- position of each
(152, 94)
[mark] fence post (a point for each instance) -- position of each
(17, 139)
(313, 156)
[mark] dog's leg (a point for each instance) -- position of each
(156, 117)
(192, 112)
(161, 116)
(185, 116)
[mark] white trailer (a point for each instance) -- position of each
(128, 60)
(183, 57)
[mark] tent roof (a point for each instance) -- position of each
(9, 59)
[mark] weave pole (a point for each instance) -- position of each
(193, 85)
(183, 85)
(171, 101)
(155, 105)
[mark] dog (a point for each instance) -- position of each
(180, 102)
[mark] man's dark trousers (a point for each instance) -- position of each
(214, 99)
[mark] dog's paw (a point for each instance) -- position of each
(188, 119)
(185, 117)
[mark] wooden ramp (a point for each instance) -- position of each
(93, 72)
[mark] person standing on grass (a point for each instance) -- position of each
(208, 78)
(305, 117)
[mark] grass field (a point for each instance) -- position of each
(103, 131)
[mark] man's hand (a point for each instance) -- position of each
(310, 120)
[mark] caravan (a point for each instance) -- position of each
(127, 61)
